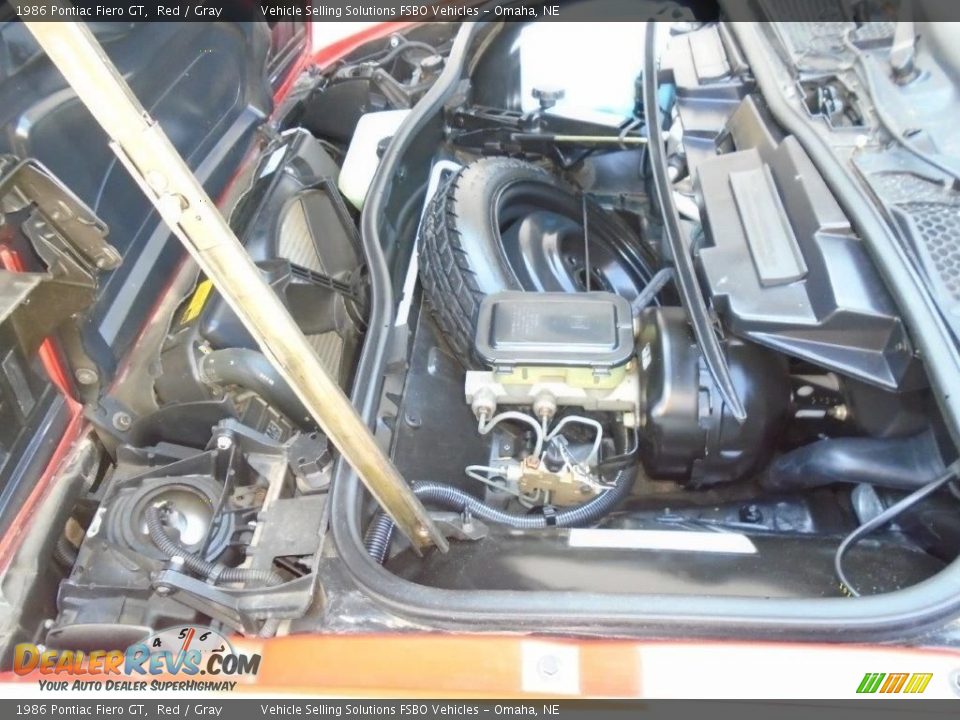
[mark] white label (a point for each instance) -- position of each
(273, 162)
(96, 523)
(646, 356)
(681, 540)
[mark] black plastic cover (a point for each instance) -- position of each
(784, 267)
(300, 175)
(555, 329)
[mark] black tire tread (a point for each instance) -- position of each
(458, 271)
(448, 280)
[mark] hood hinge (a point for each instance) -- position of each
(71, 241)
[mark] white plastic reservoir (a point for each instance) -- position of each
(597, 65)
(361, 161)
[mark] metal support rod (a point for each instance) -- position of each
(182, 202)
(586, 140)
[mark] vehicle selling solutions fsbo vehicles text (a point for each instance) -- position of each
(432, 11)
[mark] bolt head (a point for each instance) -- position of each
(86, 376)
(548, 665)
(751, 514)
(224, 442)
(431, 64)
(122, 421)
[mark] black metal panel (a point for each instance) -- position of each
(33, 416)
(785, 566)
(206, 85)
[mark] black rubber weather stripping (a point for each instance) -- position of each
(686, 279)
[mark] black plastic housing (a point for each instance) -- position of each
(688, 431)
(785, 269)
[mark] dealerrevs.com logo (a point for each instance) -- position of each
(180, 656)
(892, 683)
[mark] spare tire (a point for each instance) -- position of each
(503, 224)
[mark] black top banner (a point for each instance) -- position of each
(482, 10)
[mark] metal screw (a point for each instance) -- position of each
(839, 412)
(122, 421)
(86, 376)
(224, 442)
(163, 590)
(548, 666)
(751, 514)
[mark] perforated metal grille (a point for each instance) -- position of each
(874, 33)
(938, 225)
(815, 46)
(799, 11)
(297, 245)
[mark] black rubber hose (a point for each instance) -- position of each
(251, 370)
(931, 486)
(195, 563)
(898, 463)
(64, 552)
(378, 537)
(652, 289)
(685, 276)
(377, 541)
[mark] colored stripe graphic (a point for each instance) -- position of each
(918, 682)
(871, 682)
(894, 683)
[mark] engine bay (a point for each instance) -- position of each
(622, 338)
